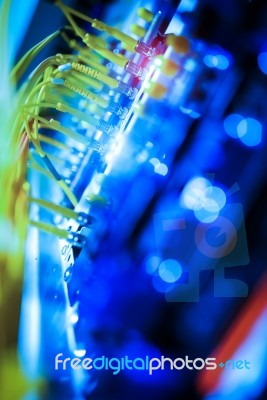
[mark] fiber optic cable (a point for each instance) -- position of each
(25, 61)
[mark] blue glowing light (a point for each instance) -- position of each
(187, 5)
(80, 353)
(154, 161)
(216, 61)
(152, 263)
(231, 123)
(217, 194)
(161, 169)
(211, 61)
(194, 193)
(262, 61)
(248, 130)
(170, 270)
(189, 65)
(194, 114)
(191, 113)
(204, 199)
(252, 130)
(205, 215)
(223, 62)
(242, 128)
(74, 318)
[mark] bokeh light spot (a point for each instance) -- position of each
(218, 61)
(206, 216)
(193, 196)
(253, 135)
(231, 123)
(170, 270)
(152, 263)
(262, 61)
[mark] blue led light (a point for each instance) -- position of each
(214, 199)
(250, 132)
(218, 195)
(204, 199)
(170, 270)
(211, 61)
(223, 62)
(151, 264)
(154, 161)
(193, 194)
(187, 5)
(199, 193)
(191, 113)
(242, 128)
(216, 61)
(262, 61)
(190, 65)
(207, 215)
(194, 114)
(161, 169)
(230, 125)
(74, 318)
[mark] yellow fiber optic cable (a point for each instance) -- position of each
(82, 50)
(101, 26)
(56, 178)
(37, 109)
(85, 80)
(25, 61)
(34, 140)
(37, 89)
(64, 211)
(77, 113)
(55, 125)
(52, 142)
(145, 14)
(75, 27)
(34, 165)
(95, 74)
(56, 160)
(92, 63)
(68, 192)
(34, 79)
(92, 43)
(50, 166)
(85, 93)
(57, 93)
(50, 229)
(119, 60)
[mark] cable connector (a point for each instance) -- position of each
(65, 67)
(85, 219)
(76, 239)
(57, 81)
